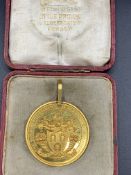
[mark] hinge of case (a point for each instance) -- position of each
(60, 70)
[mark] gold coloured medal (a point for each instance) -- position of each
(57, 132)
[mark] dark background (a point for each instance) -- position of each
(121, 72)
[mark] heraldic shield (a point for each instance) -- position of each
(60, 137)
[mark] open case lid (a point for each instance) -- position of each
(35, 38)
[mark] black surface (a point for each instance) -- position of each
(121, 72)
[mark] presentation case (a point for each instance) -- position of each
(67, 55)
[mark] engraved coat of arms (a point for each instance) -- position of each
(57, 138)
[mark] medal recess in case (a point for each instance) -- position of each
(47, 41)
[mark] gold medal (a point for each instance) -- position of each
(57, 133)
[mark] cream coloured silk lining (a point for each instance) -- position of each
(89, 42)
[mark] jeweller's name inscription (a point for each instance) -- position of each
(60, 15)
